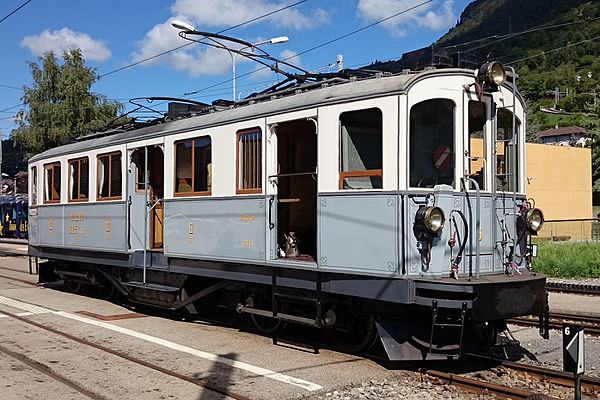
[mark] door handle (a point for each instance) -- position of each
(271, 201)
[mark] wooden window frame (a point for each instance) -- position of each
(259, 189)
(110, 165)
(34, 185)
(47, 167)
(79, 199)
(192, 166)
(360, 173)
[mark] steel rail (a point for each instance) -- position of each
(590, 324)
(589, 383)
(44, 369)
(576, 288)
(195, 381)
(19, 280)
(480, 387)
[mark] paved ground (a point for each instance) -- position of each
(227, 358)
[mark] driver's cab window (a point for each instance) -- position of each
(507, 151)
(477, 144)
(432, 143)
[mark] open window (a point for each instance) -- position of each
(507, 151)
(477, 142)
(361, 149)
(432, 143)
(79, 179)
(34, 186)
(110, 176)
(193, 167)
(249, 161)
(52, 183)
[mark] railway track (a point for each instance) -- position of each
(575, 288)
(590, 385)
(590, 324)
(225, 393)
(480, 387)
(25, 281)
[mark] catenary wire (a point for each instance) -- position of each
(15, 10)
(512, 35)
(554, 50)
(319, 45)
(182, 46)
(190, 43)
(499, 36)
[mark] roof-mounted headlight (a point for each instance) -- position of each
(492, 73)
(534, 219)
(432, 219)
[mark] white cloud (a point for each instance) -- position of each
(199, 60)
(66, 39)
(225, 13)
(431, 15)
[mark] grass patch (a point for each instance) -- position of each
(568, 259)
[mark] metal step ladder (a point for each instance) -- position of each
(277, 297)
(457, 326)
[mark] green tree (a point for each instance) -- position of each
(60, 103)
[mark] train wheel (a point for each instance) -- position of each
(264, 325)
(73, 286)
(358, 335)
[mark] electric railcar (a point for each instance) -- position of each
(388, 206)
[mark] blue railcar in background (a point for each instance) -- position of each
(13, 214)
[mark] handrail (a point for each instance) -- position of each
(477, 226)
(292, 174)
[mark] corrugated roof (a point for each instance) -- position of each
(563, 130)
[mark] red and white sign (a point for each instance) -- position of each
(442, 157)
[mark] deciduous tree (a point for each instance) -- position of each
(60, 103)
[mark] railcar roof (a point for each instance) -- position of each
(351, 90)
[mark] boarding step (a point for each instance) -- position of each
(278, 296)
(458, 326)
(151, 286)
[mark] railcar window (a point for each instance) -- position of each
(249, 161)
(140, 174)
(79, 179)
(506, 150)
(34, 186)
(109, 176)
(193, 166)
(52, 183)
(477, 142)
(361, 149)
(432, 143)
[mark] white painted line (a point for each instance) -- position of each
(171, 345)
(32, 308)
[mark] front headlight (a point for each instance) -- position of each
(492, 72)
(434, 219)
(534, 219)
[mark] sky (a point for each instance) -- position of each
(113, 34)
